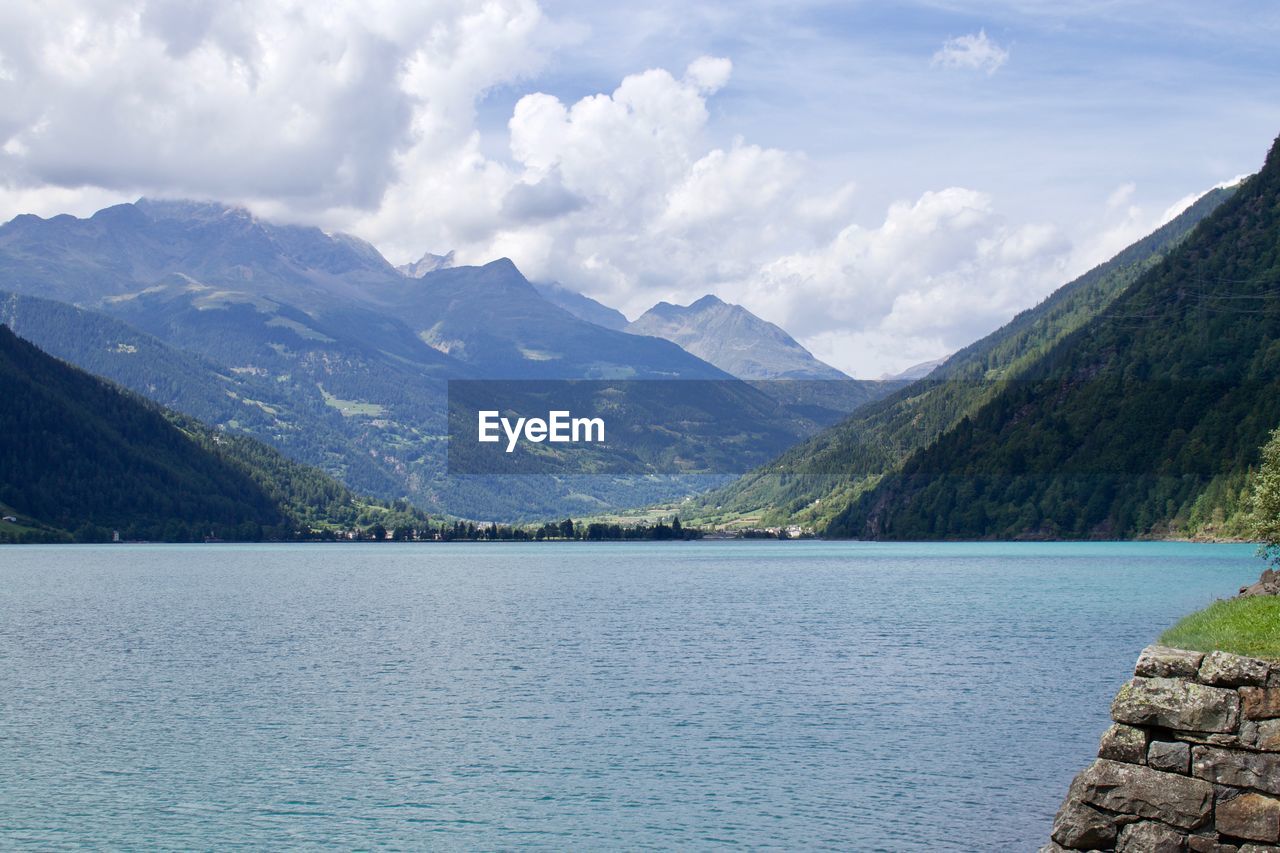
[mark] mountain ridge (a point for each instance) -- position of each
(733, 339)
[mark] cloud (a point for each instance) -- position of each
(367, 122)
(973, 52)
(313, 105)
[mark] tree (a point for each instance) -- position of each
(1266, 500)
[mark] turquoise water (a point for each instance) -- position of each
(703, 695)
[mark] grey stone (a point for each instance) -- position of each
(1132, 789)
(1209, 844)
(1268, 736)
(1259, 848)
(1124, 743)
(1268, 584)
(1176, 704)
(1232, 741)
(1149, 837)
(1081, 827)
(1237, 767)
(1166, 662)
(1228, 670)
(1260, 703)
(1051, 848)
(1170, 756)
(1249, 816)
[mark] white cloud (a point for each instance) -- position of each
(313, 105)
(365, 120)
(975, 52)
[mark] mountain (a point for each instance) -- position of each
(492, 319)
(222, 282)
(127, 247)
(427, 263)
(818, 478)
(291, 415)
(1146, 420)
(917, 371)
(80, 456)
(312, 342)
(582, 307)
(733, 339)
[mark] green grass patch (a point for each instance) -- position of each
(351, 408)
(1242, 626)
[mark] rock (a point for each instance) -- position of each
(1174, 704)
(1166, 662)
(1124, 743)
(1268, 584)
(1268, 736)
(1052, 848)
(1249, 816)
(1237, 767)
(1170, 756)
(1148, 837)
(1227, 670)
(1132, 789)
(1205, 844)
(1081, 827)
(1259, 848)
(1260, 703)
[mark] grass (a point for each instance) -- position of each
(1242, 626)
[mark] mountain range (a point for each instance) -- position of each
(819, 478)
(84, 459)
(315, 344)
(733, 339)
(1131, 402)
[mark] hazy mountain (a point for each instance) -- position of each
(916, 371)
(733, 339)
(314, 343)
(82, 456)
(494, 320)
(427, 263)
(581, 306)
(819, 477)
(123, 248)
(285, 409)
(1147, 419)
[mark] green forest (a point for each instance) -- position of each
(1146, 421)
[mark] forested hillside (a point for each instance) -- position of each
(82, 458)
(820, 477)
(1145, 421)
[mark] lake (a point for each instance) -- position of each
(570, 696)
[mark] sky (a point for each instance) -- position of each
(886, 181)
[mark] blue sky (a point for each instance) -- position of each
(887, 181)
(1170, 95)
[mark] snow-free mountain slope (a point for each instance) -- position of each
(733, 339)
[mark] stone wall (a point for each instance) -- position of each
(1192, 764)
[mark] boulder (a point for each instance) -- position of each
(1081, 827)
(1267, 736)
(1149, 837)
(1179, 801)
(1166, 662)
(1207, 844)
(1175, 704)
(1268, 584)
(1170, 756)
(1228, 670)
(1236, 767)
(1124, 743)
(1260, 703)
(1250, 816)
